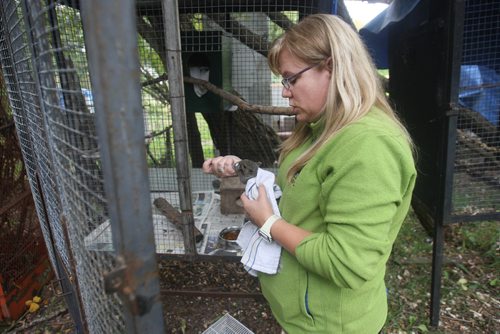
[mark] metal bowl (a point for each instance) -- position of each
(228, 236)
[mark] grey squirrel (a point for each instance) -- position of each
(246, 169)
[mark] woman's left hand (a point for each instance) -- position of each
(222, 166)
(257, 210)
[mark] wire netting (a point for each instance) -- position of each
(22, 246)
(224, 43)
(44, 63)
(477, 164)
(49, 90)
(21, 90)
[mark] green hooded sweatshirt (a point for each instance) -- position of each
(353, 195)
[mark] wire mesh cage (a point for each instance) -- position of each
(24, 264)
(450, 104)
(444, 79)
(227, 324)
(476, 179)
(224, 43)
(47, 66)
(45, 69)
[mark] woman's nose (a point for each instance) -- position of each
(286, 93)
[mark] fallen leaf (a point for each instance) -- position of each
(423, 328)
(33, 307)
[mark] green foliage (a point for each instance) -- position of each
(161, 148)
(384, 73)
(197, 21)
(206, 138)
(72, 38)
(469, 279)
(151, 64)
(482, 237)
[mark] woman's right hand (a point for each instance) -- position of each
(222, 166)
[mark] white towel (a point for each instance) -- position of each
(259, 254)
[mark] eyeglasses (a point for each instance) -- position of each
(288, 82)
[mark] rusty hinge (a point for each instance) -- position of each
(57, 287)
(116, 281)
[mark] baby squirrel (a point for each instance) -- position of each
(246, 169)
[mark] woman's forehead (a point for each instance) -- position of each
(288, 63)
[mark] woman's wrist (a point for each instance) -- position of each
(265, 229)
(266, 218)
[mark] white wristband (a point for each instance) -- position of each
(271, 220)
(265, 230)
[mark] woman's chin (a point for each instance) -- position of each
(301, 118)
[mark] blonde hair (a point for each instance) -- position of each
(354, 85)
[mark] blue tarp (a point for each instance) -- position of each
(479, 77)
(480, 91)
(375, 33)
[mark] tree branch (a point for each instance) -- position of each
(239, 31)
(242, 105)
(281, 20)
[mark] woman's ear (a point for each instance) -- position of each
(329, 64)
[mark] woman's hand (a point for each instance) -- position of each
(222, 166)
(258, 210)
(287, 235)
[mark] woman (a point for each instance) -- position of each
(347, 175)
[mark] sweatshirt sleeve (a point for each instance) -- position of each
(361, 197)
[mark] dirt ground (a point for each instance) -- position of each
(194, 314)
(469, 301)
(189, 299)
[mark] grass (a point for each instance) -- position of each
(470, 290)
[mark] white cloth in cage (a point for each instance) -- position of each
(259, 254)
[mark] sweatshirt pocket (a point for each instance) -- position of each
(306, 302)
(286, 293)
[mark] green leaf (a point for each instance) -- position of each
(423, 328)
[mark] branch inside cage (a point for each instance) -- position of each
(243, 34)
(478, 159)
(234, 99)
(478, 152)
(230, 24)
(472, 120)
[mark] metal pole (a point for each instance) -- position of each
(178, 108)
(111, 42)
(453, 12)
(437, 268)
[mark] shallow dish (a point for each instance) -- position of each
(228, 236)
